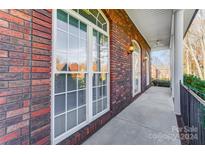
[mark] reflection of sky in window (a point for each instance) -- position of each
(160, 58)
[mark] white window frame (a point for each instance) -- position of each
(89, 112)
(136, 45)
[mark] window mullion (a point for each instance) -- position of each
(90, 73)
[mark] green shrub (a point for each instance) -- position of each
(161, 83)
(195, 84)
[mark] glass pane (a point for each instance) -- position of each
(83, 55)
(99, 24)
(81, 114)
(101, 19)
(71, 82)
(104, 78)
(96, 65)
(81, 97)
(71, 100)
(104, 66)
(105, 27)
(99, 106)
(73, 43)
(62, 16)
(99, 79)
(62, 25)
(94, 94)
(81, 81)
(100, 38)
(99, 92)
(71, 119)
(94, 108)
(61, 64)
(95, 34)
(104, 90)
(104, 103)
(94, 79)
(59, 83)
(73, 25)
(94, 12)
(59, 104)
(62, 41)
(59, 125)
(85, 13)
(83, 30)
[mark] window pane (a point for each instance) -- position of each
(71, 119)
(81, 97)
(71, 100)
(73, 25)
(101, 19)
(100, 38)
(94, 94)
(71, 82)
(94, 108)
(81, 114)
(99, 24)
(103, 66)
(99, 92)
(85, 13)
(95, 35)
(62, 16)
(104, 78)
(99, 79)
(94, 12)
(62, 41)
(104, 90)
(99, 106)
(59, 83)
(73, 43)
(61, 64)
(81, 81)
(59, 125)
(104, 103)
(82, 61)
(105, 27)
(59, 104)
(83, 30)
(96, 65)
(94, 79)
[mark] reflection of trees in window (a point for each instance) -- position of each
(194, 47)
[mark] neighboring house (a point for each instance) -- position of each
(65, 73)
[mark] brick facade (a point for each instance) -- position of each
(25, 67)
(25, 64)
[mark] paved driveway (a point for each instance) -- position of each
(148, 120)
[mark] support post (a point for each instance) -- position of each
(178, 57)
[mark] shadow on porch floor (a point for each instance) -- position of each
(150, 119)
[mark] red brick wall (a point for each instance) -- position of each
(25, 66)
(25, 54)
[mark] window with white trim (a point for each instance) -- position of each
(136, 68)
(80, 71)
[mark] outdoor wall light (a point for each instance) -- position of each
(145, 58)
(131, 48)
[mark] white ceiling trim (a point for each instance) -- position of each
(155, 25)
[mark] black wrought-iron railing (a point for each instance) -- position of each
(193, 115)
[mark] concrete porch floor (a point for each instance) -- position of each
(148, 120)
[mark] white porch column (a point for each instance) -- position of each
(178, 57)
(172, 56)
(172, 63)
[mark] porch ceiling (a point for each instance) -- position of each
(155, 25)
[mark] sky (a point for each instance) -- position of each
(160, 58)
